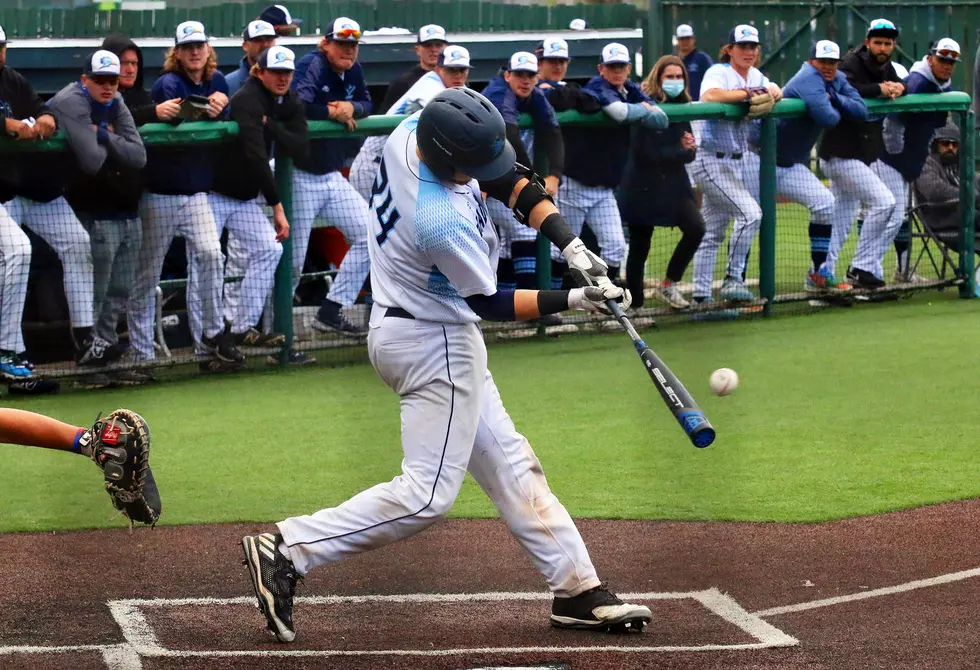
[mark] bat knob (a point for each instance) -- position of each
(704, 437)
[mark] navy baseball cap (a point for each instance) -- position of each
(343, 29)
(278, 15)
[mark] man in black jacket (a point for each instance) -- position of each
(848, 150)
(431, 42)
(266, 111)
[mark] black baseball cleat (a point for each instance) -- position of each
(274, 579)
(864, 279)
(599, 609)
(223, 347)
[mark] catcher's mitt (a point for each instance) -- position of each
(760, 102)
(120, 446)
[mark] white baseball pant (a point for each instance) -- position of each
(855, 184)
(596, 205)
(164, 217)
(15, 265)
(255, 234)
(332, 197)
(453, 422)
(55, 222)
(725, 197)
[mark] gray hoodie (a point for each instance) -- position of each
(77, 112)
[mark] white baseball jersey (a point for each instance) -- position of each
(430, 242)
(723, 135)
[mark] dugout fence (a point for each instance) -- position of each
(778, 261)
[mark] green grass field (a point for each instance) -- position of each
(843, 413)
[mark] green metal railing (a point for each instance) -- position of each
(203, 132)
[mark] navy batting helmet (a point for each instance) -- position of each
(461, 130)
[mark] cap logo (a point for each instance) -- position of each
(523, 59)
(616, 51)
(455, 54)
(105, 61)
(747, 32)
(828, 49)
(556, 46)
(282, 57)
(431, 30)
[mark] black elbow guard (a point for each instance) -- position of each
(530, 195)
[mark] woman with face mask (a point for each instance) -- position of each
(656, 191)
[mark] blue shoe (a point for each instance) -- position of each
(703, 312)
(11, 369)
(734, 290)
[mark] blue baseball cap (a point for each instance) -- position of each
(278, 15)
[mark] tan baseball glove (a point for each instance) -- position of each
(760, 102)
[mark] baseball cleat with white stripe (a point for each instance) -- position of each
(274, 579)
(599, 609)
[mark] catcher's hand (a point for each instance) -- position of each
(120, 446)
(760, 102)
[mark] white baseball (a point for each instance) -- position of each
(723, 381)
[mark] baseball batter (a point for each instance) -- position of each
(453, 69)
(433, 252)
(719, 170)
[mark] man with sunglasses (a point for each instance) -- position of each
(330, 83)
(430, 45)
(849, 150)
(907, 138)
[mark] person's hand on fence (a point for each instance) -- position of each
(775, 91)
(342, 112)
(280, 223)
(19, 130)
(168, 109)
(688, 141)
(218, 102)
(45, 126)
(892, 89)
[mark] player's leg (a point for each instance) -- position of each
(506, 468)
(798, 184)
(848, 184)
(605, 221)
(748, 216)
(159, 216)
(878, 231)
(636, 260)
(349, 213)
(236, 262)
(715, 210)
(310, 193)
(15, 263)
(115, 244)
(692, 227)
(56, 222)
(255, 232)
(201, 227)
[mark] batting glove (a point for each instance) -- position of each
(593, 298)
(586, 268)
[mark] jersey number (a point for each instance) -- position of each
(387, 214)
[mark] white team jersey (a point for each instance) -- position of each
(415, 98)
(431, 242)
(723, 135)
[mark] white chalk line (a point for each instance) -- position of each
(874, 593)
(141, 640)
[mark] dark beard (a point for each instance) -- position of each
(949, 158)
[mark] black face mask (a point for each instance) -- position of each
(949, 158)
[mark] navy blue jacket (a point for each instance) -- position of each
(655, 180)
(238, 78)
(184, 170)
(697, 63)
(907, 136)
(316, 84)
(547, 135)
(596, 156)
(826, 102)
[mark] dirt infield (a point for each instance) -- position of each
(892, 591)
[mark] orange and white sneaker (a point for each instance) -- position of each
(822, 281)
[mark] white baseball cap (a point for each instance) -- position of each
(432, 33)
(343, 29)
(102, 63)
(614, 52)
(257, 29)
(553, 47)
(744, 33)
(947, 49)
(577, 24)
(825, 50)
(684, 30)
(277, 58)
(190, 32)
(3, 36)
(524, 61)
(454, 56)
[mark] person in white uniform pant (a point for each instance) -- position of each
(433, 255)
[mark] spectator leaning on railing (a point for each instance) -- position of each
(109, 153)
(267, 112)
(849, 151)
(176, 201)
(256, 38)
(553, 61)
(431, 42)
(134, 94)
(513, 92)
(907, 138)
(595, 157)
(829, 99)
(332, 86)
(656, 190)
